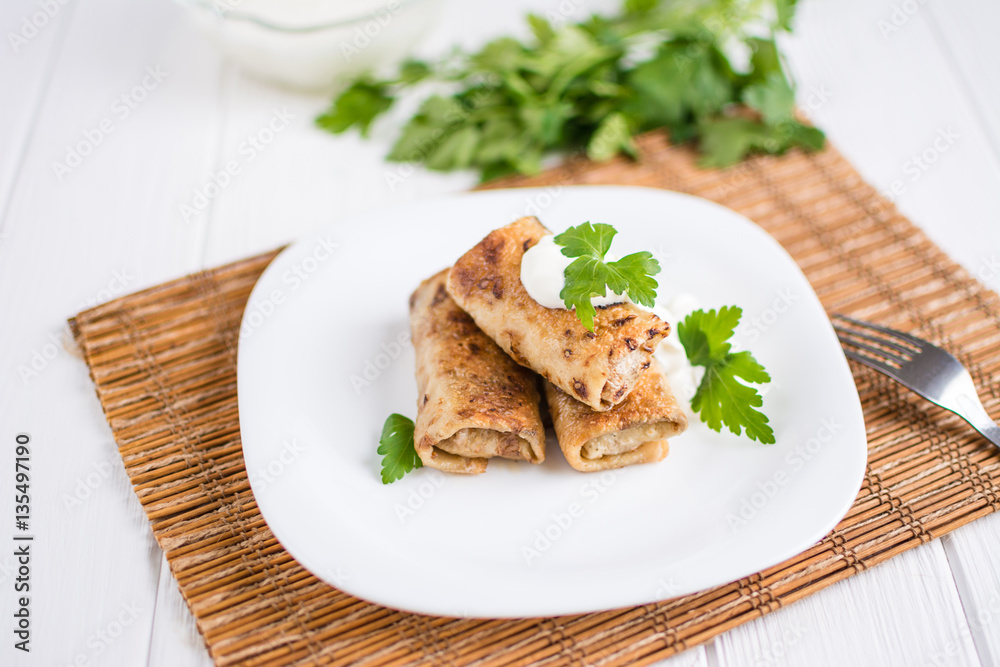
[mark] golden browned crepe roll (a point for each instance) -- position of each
(474, 401)
(599, 368)
(634, 431)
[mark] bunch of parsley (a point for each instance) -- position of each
(593, 85)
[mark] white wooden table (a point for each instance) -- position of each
(884, 78)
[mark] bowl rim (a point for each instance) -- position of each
(221, 13)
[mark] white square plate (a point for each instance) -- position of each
(324, 358)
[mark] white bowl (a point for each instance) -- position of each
(310, 44)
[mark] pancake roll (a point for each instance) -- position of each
(597, 368)
(474, 402)
(634, 431)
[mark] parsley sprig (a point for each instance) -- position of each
(591, 86)
(589, 275)
(396, 447)
(721, 397)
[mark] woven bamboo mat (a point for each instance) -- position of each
(164, 364)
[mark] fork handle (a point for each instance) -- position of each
(972, 411)
(990, 430)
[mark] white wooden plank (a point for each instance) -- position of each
(904, 612)
(889, 100)
(175, 640)
(966, 30)
(32, 37)
(695, 657)
(100, 231)
(302, 180)
(974, 554)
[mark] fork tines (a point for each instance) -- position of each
(927, 369)
(890, 346)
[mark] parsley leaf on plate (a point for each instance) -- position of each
(396, 447)
(589, 275)
(724, 395)
(585, 278)
(633, 275)
(587, 239)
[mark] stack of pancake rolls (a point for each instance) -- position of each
(487, 354)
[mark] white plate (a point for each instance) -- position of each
(324, 358)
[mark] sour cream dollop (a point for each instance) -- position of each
(682, 376)
(543, 274)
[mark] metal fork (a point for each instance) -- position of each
(918, 365)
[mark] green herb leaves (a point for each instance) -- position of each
(721, 397)
(396, 447)
(591, 86)
(612, 136)
(586, 239)
(589, 275)
(356, 106)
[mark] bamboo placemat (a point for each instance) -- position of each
(164, 364)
